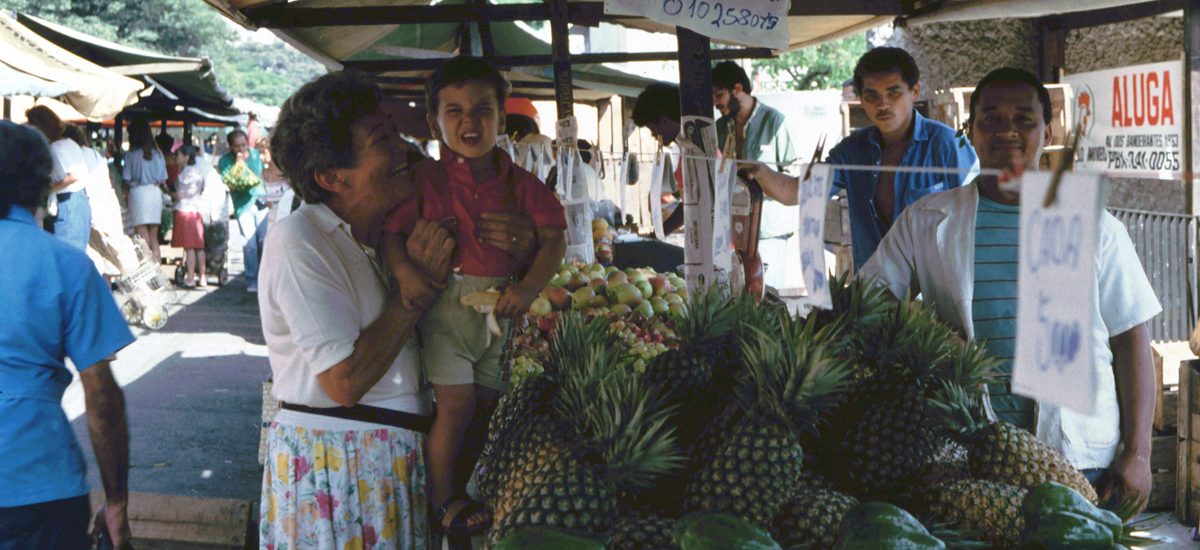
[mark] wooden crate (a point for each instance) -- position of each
(1163, 463)
(1187, 472)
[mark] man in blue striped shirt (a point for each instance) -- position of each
(959, 250)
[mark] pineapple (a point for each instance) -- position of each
(814, 516)
(988, 509)
(1001, 452)
(643, 531)
(890, 434)
(522, 419)
(790, 382)
(618, 443)
(704, 329)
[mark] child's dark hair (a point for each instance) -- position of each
(460, 69)
(657, 100)
(190, 151)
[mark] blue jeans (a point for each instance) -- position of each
(55, 525)
(74, 222)
(252, 225)
(1093, 475)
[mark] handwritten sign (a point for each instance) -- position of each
(698, 143)
(1056, 287)
(1131, 118)
(747, 22)
(656, 187)
(813, 196)
(567, 129)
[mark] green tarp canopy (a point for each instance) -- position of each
(179, 82)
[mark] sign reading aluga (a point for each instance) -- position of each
(698, 143)
(578, 210)
(1131, 118)
(747, 22)
(813, 196)
(1056, 285)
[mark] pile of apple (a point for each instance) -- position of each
(603, 237)
(638, 302)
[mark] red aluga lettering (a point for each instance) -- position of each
(1139, 100)
(1118, 117)
(1168, 101)
(1128, 122)
(1151, 92)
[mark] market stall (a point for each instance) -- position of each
(649, 410)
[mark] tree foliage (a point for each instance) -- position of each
(263, 72)
(822, 67)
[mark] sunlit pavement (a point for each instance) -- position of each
(193, 395)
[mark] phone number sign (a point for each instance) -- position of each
(746, 22)
(1131, 118)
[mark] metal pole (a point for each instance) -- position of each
(560, 44)
(699, 132)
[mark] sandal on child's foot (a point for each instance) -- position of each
(460, 523)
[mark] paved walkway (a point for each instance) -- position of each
(193, 396)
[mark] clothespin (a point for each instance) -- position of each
(729, 151)
(817, 154)
(1068, 162)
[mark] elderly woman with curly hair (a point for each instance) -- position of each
(345, 459)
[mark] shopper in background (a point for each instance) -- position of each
(241, 169)
(108, 246)
(145, 175)
(188, 231)
(73, 221)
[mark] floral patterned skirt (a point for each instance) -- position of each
(343, 490)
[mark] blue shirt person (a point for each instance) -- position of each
(57, 307)
(887, 81)
(876, 198)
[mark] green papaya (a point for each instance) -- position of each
(720, 531)
(879, 536)
(1051, 497)
(546, 538)
(1068, 531)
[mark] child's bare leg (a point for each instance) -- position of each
(201, 267)
(455, 406)
(475, 437)
(189, 266)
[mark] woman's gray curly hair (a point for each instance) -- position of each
(312, 133)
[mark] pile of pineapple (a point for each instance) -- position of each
(785, 422)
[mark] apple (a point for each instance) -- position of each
(647, 290)
(673, 298)
(599, 224)
(636, 276)
(577, 281)
(621, 309)
(559, 297)
(659, 304)
(660, 284)
(610, 269)
(598, 284)
(546, 323)
(644, 309)
(598, 301)
(604, 253)
(540, 307)
(617, 277)
(560, 280)
(582, 297)
(628, 294)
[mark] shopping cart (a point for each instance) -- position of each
(144, 290)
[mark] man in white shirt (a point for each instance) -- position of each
(934, 249)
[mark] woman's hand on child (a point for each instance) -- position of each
(430, 247)
(516, 299)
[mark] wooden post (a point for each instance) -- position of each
(564, 93)
(695, 97)
(187, 132)
(1191, 66)
(1052, 54)
(118, 135)
(7, 108)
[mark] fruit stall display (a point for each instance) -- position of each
(744, 427)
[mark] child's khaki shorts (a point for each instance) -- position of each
(454, 337)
